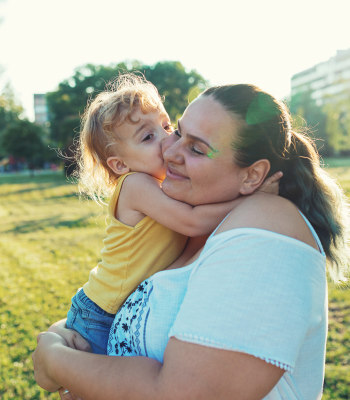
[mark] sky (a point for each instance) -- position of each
(226, 41)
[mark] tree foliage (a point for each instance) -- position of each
(308, 115)
(10, 112)
(24, 140)
(68, 102)
(338, 123)
(329, 123)
(176, 84)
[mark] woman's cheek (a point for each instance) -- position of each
(196, 168)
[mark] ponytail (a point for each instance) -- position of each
(264, 131)
(320, 199)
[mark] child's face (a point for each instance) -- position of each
(139, 144)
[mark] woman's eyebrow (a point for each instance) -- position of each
(193, 137)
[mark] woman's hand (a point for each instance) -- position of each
(68, 337)
(48, 343)
(73, 338)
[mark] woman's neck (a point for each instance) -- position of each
(191, 252)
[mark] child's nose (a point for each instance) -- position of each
(162, 134)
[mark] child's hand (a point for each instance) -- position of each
(73, 338)
(271, 184)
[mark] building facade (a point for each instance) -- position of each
(41, 114)
(325, 81)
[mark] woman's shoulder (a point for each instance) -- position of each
(272, 213)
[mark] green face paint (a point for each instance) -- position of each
(261, 109)
(212, 153)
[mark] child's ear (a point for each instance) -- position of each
(117, 165)
(255, 175)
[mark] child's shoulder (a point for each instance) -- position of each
(140, 177)
(135, 192)
(139, 181)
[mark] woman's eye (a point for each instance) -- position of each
(196, 151)
(177, 133)
(149, 136)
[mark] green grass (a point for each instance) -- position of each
(49, 241)
(336, 162)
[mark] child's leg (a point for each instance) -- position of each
(88, 319)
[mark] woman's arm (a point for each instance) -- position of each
(189, 371)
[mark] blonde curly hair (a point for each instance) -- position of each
(102, 115)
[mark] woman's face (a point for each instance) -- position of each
(199, 158)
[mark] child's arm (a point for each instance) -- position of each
(142, 193)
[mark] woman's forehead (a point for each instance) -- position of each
(206, 117)
(206, 110)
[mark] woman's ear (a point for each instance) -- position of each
(117, 165)
(255, 175)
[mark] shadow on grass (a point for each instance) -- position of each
(39, 187)
(38, 225)
(63, 196)
(57, 178)
(41, 182)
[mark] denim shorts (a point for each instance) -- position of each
(91, 321)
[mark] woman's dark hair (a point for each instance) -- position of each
(265, 132)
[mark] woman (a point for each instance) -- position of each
(246, 319)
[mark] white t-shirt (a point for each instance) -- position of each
(252, 291)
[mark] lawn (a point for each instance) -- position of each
(50, 239)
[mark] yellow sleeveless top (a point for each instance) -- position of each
(130, 255)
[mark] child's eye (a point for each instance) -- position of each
(149, 136)
(169, 128)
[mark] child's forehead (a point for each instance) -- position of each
(163, 113)
(160, 110)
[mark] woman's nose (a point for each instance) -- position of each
(167, 142)
(170, 149)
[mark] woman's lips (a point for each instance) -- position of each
(172, 173)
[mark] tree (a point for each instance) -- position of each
(338, 123)
(10, 111)
(67, 104)
(305, 111)
(23, 139)
(178, 86)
